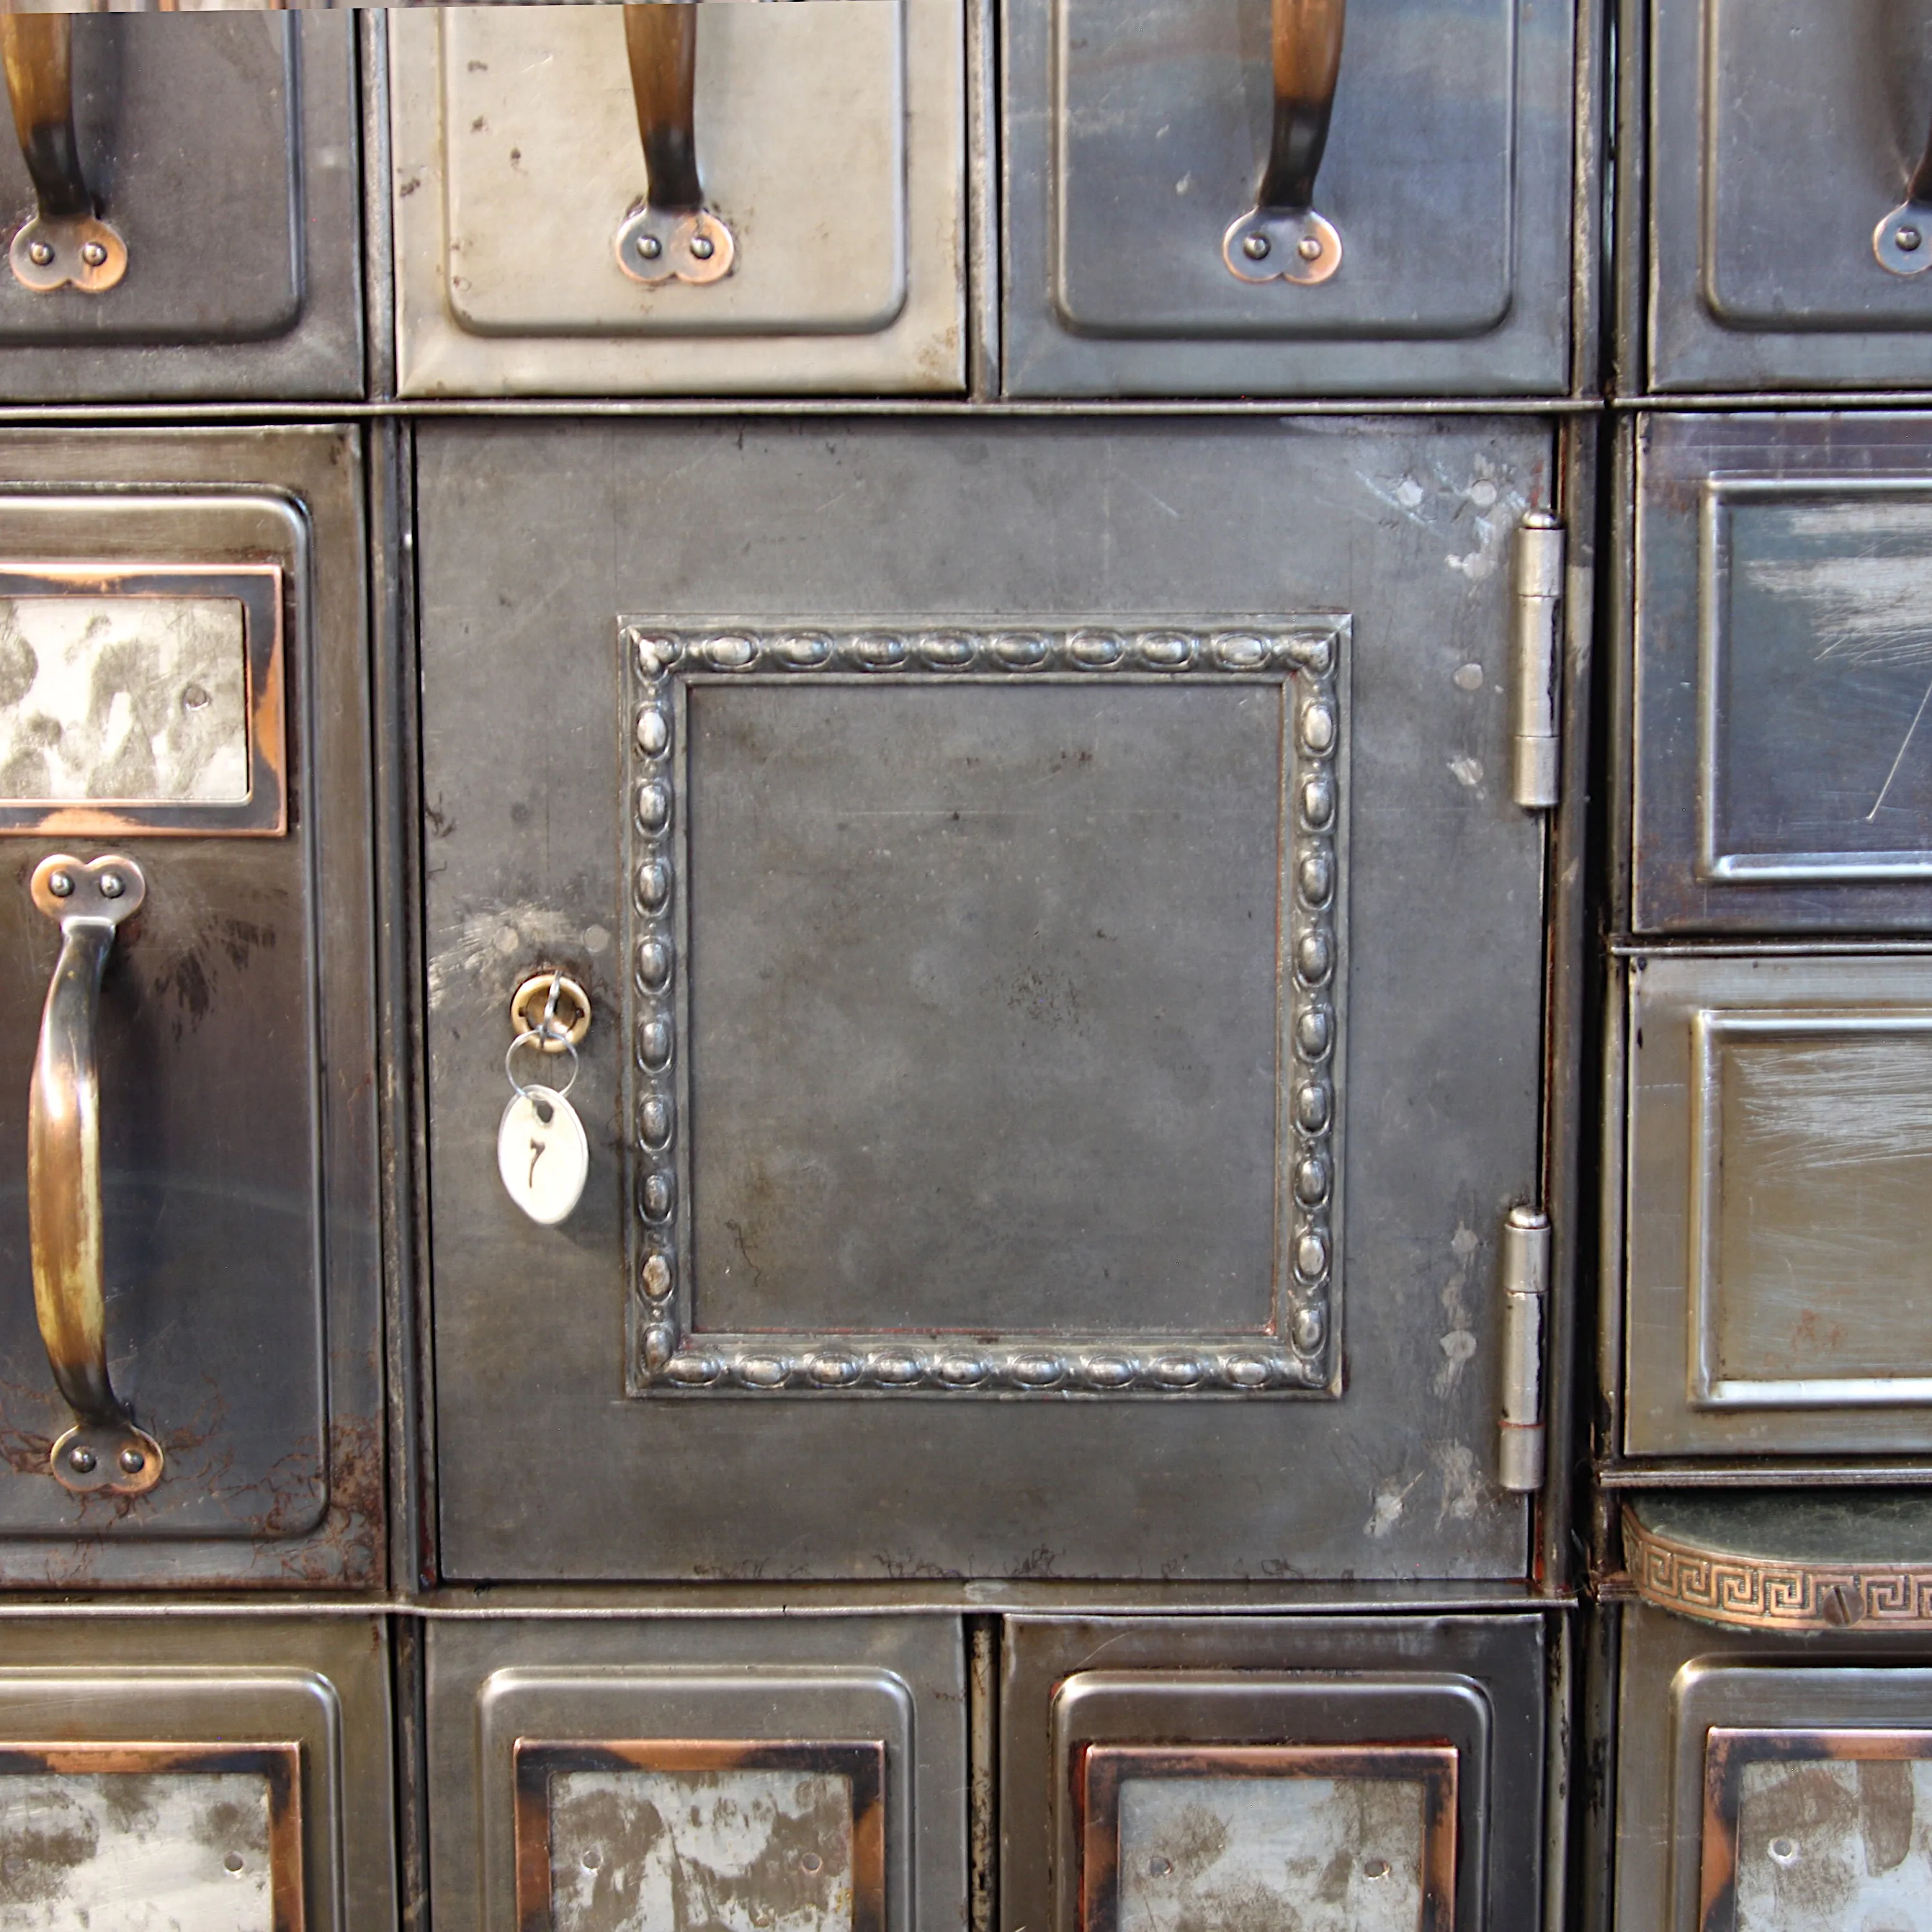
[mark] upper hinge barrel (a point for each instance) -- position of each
(1536, 748)
(1526, 1243)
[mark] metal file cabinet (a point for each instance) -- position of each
(592, 200)
(1374, 205)
(1034, 814)
(1774, 191)
(192, 1386)
(187, 227)
(228, 1773)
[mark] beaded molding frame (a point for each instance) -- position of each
(1300, 1355)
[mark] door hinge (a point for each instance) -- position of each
(1539, 659)
(1526, 1283)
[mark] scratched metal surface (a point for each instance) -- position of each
(532, 539)
(142, 1853)
(238, 1070)
(122, 698)
(1134, 134)
(1319, 1854)
(251, 115)
(1776, 1274)
(1829, 1845)
(741, 1851)
(1763, 277)
(1781, 752)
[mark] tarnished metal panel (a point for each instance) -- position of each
(1764, 275)
(830, 152)
(151, 1837)
(1323, 1771)
(1134, 135)
(995, 1106)
(1335, 1838)
(1779, 1162)
(691, 1835)
(1770, 1784)
(232, 1050)
(761, 1775)
(1782, 749)
(227, 1774)
(224, 152)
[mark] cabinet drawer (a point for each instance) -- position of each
(829, 169)
(220, 157)
(191, 1392)
(1136, 135)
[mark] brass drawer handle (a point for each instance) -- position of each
(1282, 235)
(103, 1451)
(670, 236)
(64, 243)
(1903, 241)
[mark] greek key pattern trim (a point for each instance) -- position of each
(1752, 1593)
(1300, 1356)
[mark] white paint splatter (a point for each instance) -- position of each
(1467, 773)
(1458, 1343)
(494, 944)
(1463, 1488)
(1389, 1502)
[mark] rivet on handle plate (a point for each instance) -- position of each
(64, 243)
(1903, 241)
(669, 235)
(104, 1451)
(1282, 237)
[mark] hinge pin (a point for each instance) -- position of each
(1525, 1285)
(1539, 599)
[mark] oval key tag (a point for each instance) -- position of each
(542, 1154)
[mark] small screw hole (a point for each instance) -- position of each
(1783, 1851)
(812, 1862)
(194, 698)
(233, 1864)
(1375, 1868)
(1159, 1867)
(591, 1859)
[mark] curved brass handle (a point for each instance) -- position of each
(1903, 241)
(669, 235)
(65, 242)
(103, 1451)
(1282, 236)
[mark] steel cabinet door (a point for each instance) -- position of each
(1768, 1782)
(1059, 1060)
(191, 1386)
(1788, 237)
(1778, 1169)
(211, 165)
(1342, 1774)
(1781, 776)
(749, 1773)
(1138, 136)
(555, 234)
(202, 1770)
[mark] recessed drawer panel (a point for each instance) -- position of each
(1783, 761)
(656, 197)
(1763, 1789)
(188, 224)
(1781, 1157)
(1160, 236)
(233, 1777)
(1766, 275)
(1345, 1777)
(741, 1776)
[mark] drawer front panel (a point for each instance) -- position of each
(1779, 1164)
(1359, 1774)
(1055, 909)
(1767, 276)
(1783, 764)
(1135, 137)
(740, 1775)
(222, 155)
(188, 700)
(829, 143)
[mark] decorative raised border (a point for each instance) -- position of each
(1768, 1593)
(663, 1355)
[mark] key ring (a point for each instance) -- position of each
(534, 1036)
